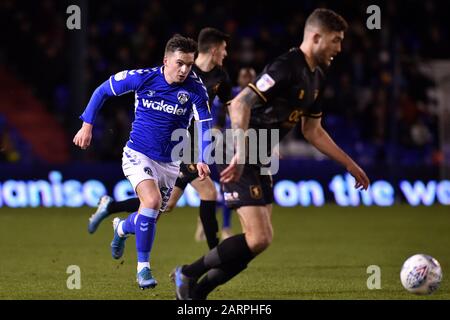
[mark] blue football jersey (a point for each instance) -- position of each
(160, 108)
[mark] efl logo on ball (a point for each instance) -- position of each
(421, 274)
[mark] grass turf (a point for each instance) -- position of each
(317, 253)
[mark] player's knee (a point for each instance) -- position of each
(151, 202)
(265, 241)
(208, 194)
(260, 245)
(260, 242)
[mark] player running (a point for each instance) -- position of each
(208, 66)
(166, 98)
(285, 95)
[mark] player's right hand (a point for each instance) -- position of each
(233, 172)
(203, 170)
(84, 136)
(362, 181)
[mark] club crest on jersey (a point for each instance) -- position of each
(183, 97)
(265, 83)
(301, 94)
(216, 88)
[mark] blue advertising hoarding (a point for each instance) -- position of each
(296, 184)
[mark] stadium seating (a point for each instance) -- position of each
(31, 120)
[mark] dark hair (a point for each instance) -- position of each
(327, 19)
(209, 37)
(180, 43)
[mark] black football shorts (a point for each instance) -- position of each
(252, 189)
(188, 173)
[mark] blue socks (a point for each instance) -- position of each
(129, 225)
(143, 225)
(145, 233)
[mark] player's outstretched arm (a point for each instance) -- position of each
(239, 110)
(204, 137)
(203, 121)
(318, 137)
(84, 136)
(118, 84)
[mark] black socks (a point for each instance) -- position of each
(130, 206)
(231, 250)
(216, 277)
(209, 222)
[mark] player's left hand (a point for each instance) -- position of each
(203, 171)
(362, 181)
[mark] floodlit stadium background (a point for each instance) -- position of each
(386, 103)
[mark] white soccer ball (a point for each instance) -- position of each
(421, 274)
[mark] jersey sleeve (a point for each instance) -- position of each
(126, 81)
(202, 117)
(274, 77)
(315, 110)
(200, 105)
(224, 91)
(225, 94)
(118, 84)
(100, 95)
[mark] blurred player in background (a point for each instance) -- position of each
(208, 66)
(285, 95)
(166, 99)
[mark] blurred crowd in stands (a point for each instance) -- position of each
(377, 105)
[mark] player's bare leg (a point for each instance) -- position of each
(205, 188)
(174, 197)
(257, 226)
(226, 233)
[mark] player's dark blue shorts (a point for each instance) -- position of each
(252, 189)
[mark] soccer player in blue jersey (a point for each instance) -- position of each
(166, 98)
(212, 44)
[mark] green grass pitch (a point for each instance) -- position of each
(317, 253)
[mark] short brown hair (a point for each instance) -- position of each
(328, 19)
(209, 37)
(180, 43)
